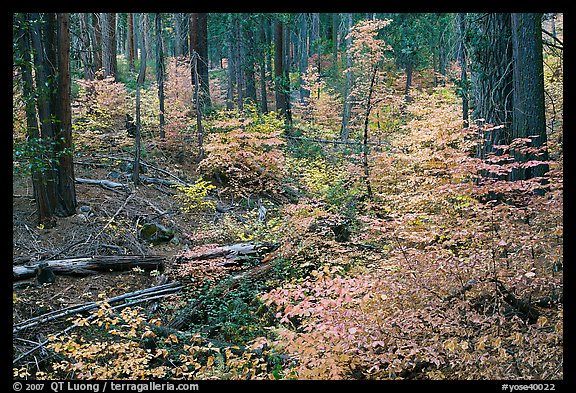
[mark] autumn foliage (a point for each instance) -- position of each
(448, 269)
(444, 300)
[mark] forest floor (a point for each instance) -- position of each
(443, 281)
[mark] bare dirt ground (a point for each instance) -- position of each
(107, 223)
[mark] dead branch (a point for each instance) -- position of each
(154, 296)
(115, 214)
(520, 305)
(77, 309)
(180, 181)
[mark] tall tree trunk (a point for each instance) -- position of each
(199, 43)
(462, 58)
(529, 116)
(345, 129)
(408, 70)
(231, 79)
(238, 64)
(197, 85)
(335, 24)
(303, 64)
(316, 46)
(43, 78)
(315, 34)
(85, 53)
(249, 50)
(130, 39)
(263, 48)
(109, 44)
(52, 59)
(160, 71)
(493, 80)
(139, 84)
(43, 207)
(281, 84)
(51, 48)
(96, 41)
(178, 49)
(136, 37)
(66, 191)
(435, 65)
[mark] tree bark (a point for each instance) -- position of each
(109, 44)
(180, 39)
(230, 71)
(263, 49)
(139, 84)
(345, 129)
(52, 51)
(238, 64)
(365, 166)
(248, 54)
(493, 79)
(335, 23)
(32, 131)
(282, 84)
(130, 38)
(160, 72)
(44, 115)
(529, 116)
(463, 58)
(199, 43)
(66, 191)
(85, 53)
(303, 63)
(198, 106)
(96, 39)
(409, 66)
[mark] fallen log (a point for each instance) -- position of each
(232, 254)
(90, 265)
(107, 184)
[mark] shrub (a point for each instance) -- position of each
(244, 152)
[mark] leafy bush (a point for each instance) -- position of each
(127, 345)
(193, 198)
(244, 152)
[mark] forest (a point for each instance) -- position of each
(287, 196)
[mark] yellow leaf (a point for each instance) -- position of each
(148, 333)
(172, 339)
(155, 321)
(497, 342)
(480, 345)
(81, 322)
(517, 338)
(542, 320)
(450, 345)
